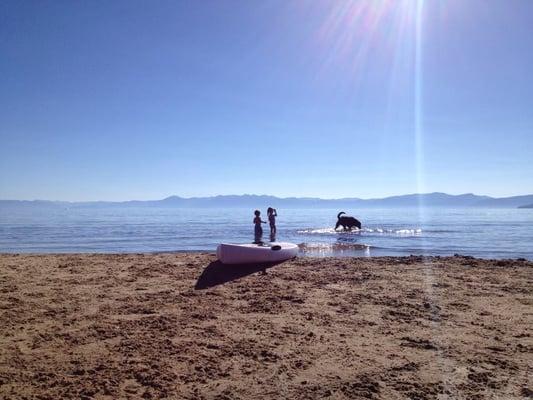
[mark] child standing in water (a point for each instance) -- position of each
(272, 214)
(258, 230)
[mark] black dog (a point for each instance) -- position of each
(347, 222)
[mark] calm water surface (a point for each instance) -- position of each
(488, 233)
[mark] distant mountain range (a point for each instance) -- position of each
(257, 201)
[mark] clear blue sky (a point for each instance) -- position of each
(119, 100)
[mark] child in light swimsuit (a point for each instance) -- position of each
(272, 214)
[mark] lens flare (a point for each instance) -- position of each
(419, 145)
(355, 32)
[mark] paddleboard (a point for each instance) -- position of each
(229, 253)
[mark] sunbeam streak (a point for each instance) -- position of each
(419, 134)
(445, 363)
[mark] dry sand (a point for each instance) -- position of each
(181, 326)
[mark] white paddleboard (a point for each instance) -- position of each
(229, 253)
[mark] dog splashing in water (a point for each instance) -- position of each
(347, 222)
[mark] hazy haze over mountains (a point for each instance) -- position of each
(257, 201)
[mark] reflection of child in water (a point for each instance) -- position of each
(272, 214)
(258, 230)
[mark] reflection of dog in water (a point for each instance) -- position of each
(347, 222)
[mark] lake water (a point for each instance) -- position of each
(488, 233)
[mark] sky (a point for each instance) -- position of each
(120, 100)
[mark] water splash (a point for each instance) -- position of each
(335, 249)
(359, 232)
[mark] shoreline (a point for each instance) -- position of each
(182, 326)
(310, 255)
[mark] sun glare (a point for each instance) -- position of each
(353, 29)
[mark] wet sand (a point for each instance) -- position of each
(182, 326)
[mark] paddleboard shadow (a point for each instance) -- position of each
(217, 273)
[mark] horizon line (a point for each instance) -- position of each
(267, 195)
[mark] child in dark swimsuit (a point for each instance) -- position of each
(258, 230)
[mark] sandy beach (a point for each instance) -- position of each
(183, 326)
